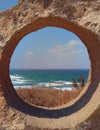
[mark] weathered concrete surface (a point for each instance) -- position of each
(81, 17)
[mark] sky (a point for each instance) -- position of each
(48, 48)
(6, 4)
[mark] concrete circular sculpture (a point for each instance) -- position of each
(78, 16)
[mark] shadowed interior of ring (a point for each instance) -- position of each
(15, 101)
(25, 85)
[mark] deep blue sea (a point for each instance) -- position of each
(54, 78)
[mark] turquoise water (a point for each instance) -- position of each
(60, 79)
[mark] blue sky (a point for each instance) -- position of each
(47, 48)
(6, 4)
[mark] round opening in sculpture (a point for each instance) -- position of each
(49, 67)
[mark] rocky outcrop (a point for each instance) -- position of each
(81, 17)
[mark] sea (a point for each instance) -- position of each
(48, 78)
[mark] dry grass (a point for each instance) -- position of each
(47, 97)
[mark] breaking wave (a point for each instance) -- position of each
(21, 82)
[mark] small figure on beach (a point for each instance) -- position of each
(81, 81)
(74, 84)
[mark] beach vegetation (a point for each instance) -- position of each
(47, 97)
(81, 81)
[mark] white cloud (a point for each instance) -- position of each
(71, 48)
(29, 53)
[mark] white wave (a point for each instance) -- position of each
(65, 88)
(16, 77)
(18, 87)
(43, 84)
(55, 84)
(20, 82)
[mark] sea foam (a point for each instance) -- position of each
(21, 82)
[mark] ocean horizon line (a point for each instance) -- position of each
(49, 69)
